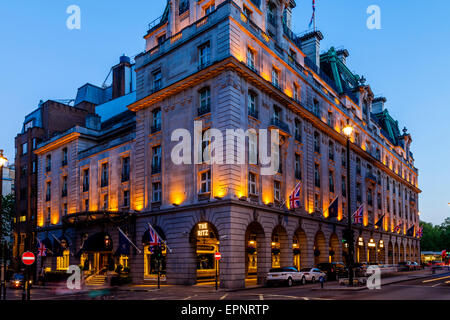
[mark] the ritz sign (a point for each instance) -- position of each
(203, 230)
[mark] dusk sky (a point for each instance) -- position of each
(407, 61)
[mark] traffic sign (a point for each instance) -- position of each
(28, 258)
(218, 255)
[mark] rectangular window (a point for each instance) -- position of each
(298, 130)
(49, 215)
(25, 148)
(205, 101)
(204, 55)
(344, 158)
(252, 105)
(48, 163)
(369, 197)
(298, 167)
(125, 169)
(316, 108)
(48, 195)
(86, 205)
(34, 166)
(205, 182)
(64, 187)
(379, 201)
(330, 120)
(210, 9)
(316, 202)
(331, 181)
(316, 142)
(157, 80)
(277, 190)
(358, 192)
(275, 77)
(295, 94)
(316, 175)
(250, 58)
(156, 125)
(64, 209)
(126, 198)
(331, 150)
(156, 160)
(85, 180)
(34, 143)
(252, 184)
(65, 156)
(105, 205)
(156, 192)
(104, 175)
(183, 6)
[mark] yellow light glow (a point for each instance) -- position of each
(265, 76)
(288, 92)
(3, 159)
(177, 198)
(273, 244)
(348, 130)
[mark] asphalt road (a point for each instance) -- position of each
(436, 287)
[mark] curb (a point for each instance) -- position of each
(382, 284)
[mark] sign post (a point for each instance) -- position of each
(28, 258)
(217, 257)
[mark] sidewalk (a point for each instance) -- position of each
(399, 277)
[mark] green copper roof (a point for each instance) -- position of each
(389, 126)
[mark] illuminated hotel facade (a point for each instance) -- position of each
(231, 65)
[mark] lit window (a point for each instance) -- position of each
(252, 183)
(277, 190)
(205, 182)
(156, 192)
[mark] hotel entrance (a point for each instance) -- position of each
(206, 242)
(96, 254)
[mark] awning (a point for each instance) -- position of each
(98, 242)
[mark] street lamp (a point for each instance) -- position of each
(3, 162)
(348, 130)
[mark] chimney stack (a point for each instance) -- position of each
(378, 104)
(343, 55)
(311, 46)
(122, 78)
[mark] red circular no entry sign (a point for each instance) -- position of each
(217, 255)
(28, 258)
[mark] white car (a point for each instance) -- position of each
(312, 274)
(287, 275)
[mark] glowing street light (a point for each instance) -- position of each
(348, 129)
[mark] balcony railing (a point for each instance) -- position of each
(280, 124)
(204, 110)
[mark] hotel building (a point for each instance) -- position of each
(229, 65)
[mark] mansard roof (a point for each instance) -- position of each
(389, 126)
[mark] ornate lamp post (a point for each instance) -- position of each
(3, 161)
(348, 130)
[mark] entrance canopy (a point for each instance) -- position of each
(98, 242)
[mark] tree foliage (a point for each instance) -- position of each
(435, 237)
(7, 215)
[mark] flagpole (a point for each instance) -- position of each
(131, 242)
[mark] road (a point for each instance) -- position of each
(435, 287)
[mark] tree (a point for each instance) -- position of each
(435, 237)
(8, 214)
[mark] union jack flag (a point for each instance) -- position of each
(420, 232)
(358, 215)
(397, 228)
(294, 198)
(42, 250)
(154, 237)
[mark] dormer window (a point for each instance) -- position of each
(184, 6)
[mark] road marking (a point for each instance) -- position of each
(224, 296)
(436, 279)
(261, 297)
(435, 285)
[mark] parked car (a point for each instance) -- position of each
(17, 281)
(333, 270)
(416, 266)
(405, 266)
(312, 274)
(285, 275)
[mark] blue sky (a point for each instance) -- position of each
(407, 61)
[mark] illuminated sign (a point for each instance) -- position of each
(203, 230)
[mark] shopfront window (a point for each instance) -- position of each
(62, 262)
(151, 264)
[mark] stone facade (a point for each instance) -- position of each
(203, 65)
